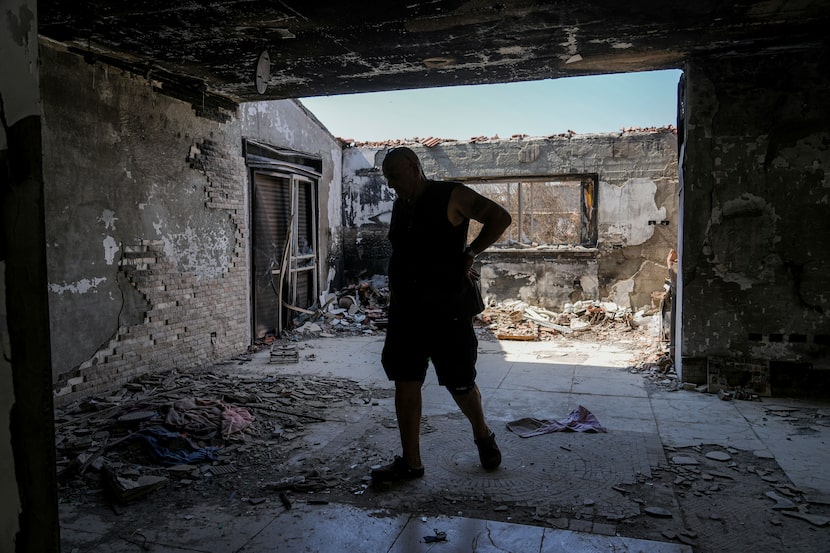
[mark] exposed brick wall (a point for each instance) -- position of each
(189, 320)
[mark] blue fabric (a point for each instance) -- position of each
(158, 441)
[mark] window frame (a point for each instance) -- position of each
(588, 230)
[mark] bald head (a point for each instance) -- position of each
(403, 173)
(397, 157)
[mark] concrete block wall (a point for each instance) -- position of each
(636, 213)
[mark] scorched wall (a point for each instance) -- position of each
(635, 211)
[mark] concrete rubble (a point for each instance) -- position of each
(362, 308)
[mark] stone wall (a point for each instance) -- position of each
(636, 213)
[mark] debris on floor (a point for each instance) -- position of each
(659, 370)
(436, 537)
(124, 490)
(284, 353)
(362, 308)
(518, 320)
(181, 429)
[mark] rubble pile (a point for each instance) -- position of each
(659, 371)
(356, 309)
(184, 429)
(518, 320)
(362, 309)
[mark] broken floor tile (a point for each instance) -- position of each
(684, 460)
(818, 499)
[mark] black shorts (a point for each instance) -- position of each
(450, 344)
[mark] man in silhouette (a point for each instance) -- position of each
(432, 303)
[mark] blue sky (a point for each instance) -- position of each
(593, 104)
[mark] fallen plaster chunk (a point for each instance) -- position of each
(718, 456)
(780, 502)
(658, 512)
(815, 520)
(684, 460)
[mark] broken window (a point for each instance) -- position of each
(546, 211)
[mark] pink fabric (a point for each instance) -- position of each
(200, 417)
(579, 420)
(235, 419)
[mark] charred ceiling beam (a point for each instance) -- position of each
(196, 92)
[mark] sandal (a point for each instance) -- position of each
(396, 471)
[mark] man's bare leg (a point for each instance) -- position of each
(408, 411)
(470, 404)
(488, 451)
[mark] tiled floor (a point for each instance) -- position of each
(517, 379)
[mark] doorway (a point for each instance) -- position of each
(284, 238)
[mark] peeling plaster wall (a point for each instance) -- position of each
(287, 124)
(367, 210)
(146, 230)
(637, 176)
(148, 221)
(755, 258)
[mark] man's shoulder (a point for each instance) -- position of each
(445, 185)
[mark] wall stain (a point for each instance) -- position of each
(20, 26)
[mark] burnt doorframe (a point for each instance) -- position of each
(298, 169)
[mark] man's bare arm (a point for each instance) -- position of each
(466, 203)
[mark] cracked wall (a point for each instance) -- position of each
(148, 232)
(636, 213)
(755, 263)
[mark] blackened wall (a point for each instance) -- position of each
(28, 501)
(755, 258)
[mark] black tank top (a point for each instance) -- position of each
(426, 270)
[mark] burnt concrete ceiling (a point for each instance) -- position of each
(211, 48)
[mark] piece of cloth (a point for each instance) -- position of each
(579, 420)
(235, 419)
(171, 448)
(202, 418)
